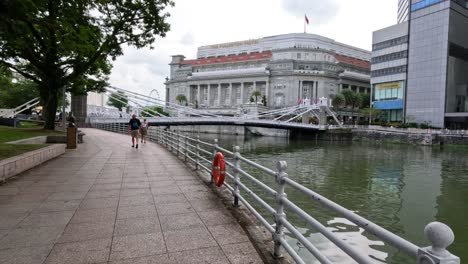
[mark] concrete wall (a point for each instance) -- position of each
(15, 165)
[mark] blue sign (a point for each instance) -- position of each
(424, 3)
(388, 105)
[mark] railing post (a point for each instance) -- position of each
(440, 236)
(237, 165)
(215, 145)
(177, 142)
(186, 147)
(280, 215)
(198, 152)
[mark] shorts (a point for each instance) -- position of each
(143, 131)
(134, 133)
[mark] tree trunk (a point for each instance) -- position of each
(50, 109)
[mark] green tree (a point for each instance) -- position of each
(256, 94)
(372, 113)
(151, 111)
(365, 101)
(338, 101)
(63, 43)
(118, 100)
(352, 99)
(181, 98)
(13, 94)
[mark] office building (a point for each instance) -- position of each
(436, 90)
(286, 70)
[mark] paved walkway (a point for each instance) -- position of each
(109, 203)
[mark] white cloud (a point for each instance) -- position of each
(202, 22)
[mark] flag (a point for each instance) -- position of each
(306, 19)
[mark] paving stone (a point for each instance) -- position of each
(65, 196)
(228, 234)
(17, 208)
(107, 186)
(242, 253)
(195, 196)
(93, 203)
(135, 192)
(136, 200)
(94, 215)
(87, 231)
(136, 212)
(32, 255)
(133, 226)
(206, 205)
(102, 194)
(169, 198)
(54, 206)
(157, 259)
(135, 185)
(8, 221)
(186, 239)
(183, 221)
(90, 251)
(161, 183)
(60, 218)
(213, 255)
(137, 246)
(157, 191)
(108, 180)
(216, 217)
(174, 209)
(30, 237)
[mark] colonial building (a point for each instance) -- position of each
(286, 70)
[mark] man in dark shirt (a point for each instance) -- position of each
(133, 127)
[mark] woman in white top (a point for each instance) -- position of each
(144, 130)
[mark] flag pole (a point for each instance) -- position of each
(304, 25)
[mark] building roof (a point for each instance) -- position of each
(266, 55)
(353, 61)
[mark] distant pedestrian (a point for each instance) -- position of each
(144, 130)
(133, 127)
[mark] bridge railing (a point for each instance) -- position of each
(201, 153)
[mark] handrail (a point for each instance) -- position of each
(440, 235)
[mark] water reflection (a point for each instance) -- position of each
(399, 187)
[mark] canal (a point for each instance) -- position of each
(400, 187)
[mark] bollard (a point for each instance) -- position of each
(440, 236)
(178, 143)
(280, 215)
(215, 145)
(236, 168)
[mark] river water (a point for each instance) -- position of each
(399, 187)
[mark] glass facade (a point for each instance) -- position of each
(389, 98)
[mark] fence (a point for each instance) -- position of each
(200, 153)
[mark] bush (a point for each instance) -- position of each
(424, 126)
(412, 125)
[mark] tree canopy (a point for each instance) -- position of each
(15, 92)
(118, 100)
(256, 94)
(61, 43)
(181, 98)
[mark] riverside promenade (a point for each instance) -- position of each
(109, 203)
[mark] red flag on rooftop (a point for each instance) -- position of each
(306, 19)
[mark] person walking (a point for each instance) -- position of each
(133, 127)
(144, 130)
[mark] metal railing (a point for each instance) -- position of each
(201, 153)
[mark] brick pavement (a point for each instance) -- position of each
(109, 203)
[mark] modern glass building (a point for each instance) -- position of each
(428, 57)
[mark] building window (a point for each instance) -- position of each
(390, 57)
(388, 91)
(390, 43)
(389, 71)
(298, 56)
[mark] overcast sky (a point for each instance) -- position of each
(201, 22)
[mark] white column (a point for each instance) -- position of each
(198, 94)
(219, 94)
(267, 92)
(242, 93)
(229, 97)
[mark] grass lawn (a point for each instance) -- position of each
(11, 134)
